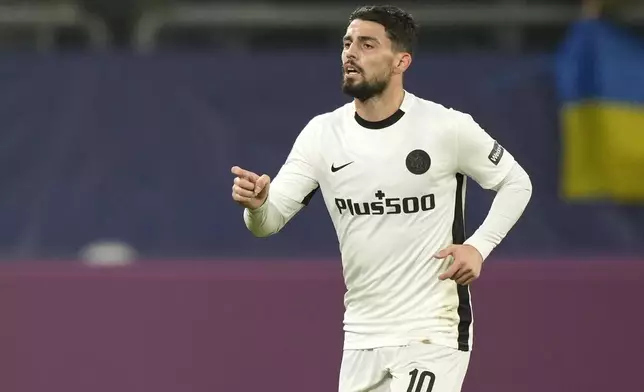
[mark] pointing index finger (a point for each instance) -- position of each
(239, 172)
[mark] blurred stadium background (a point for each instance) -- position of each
(126, 266)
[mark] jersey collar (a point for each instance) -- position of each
(389, 121)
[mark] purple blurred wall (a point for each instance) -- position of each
(276, 326)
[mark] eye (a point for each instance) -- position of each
(368, 46)
(346, 45)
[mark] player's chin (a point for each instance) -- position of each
(352, 77)
(351, 84)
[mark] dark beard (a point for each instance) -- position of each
(364, 90)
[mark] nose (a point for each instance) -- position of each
(350, 52)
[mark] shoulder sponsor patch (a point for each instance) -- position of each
(496, 153)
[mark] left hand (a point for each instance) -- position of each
(466, 266)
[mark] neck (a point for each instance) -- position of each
(381, 106)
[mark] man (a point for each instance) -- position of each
(391, 169)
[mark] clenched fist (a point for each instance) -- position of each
(249, 189)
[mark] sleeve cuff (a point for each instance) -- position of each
(259, 210)
(484, 247)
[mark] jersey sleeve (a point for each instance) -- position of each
(512, 197)
(479, 156)
(296, 181)
(290, 190)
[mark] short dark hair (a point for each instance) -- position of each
(399, 24)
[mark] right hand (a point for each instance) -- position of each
(249, 189)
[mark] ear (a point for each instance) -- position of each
(402, 62)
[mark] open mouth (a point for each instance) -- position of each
(351, 70)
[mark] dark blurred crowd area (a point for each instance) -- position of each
(119, 24)
(138, 148)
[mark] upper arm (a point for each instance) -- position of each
(479, 156)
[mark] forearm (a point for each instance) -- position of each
(272, 216)
(513, 195)
(265, 220)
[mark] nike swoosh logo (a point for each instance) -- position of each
(335, 169)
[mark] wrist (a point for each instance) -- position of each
(260, 208)
(484, 248)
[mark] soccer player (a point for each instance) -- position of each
(391, 168)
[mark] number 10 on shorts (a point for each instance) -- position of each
(419, 380)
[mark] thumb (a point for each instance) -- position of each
(261, 183)
(445, 252)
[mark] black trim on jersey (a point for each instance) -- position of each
(308, 197)
(458, 237)
(387, 122)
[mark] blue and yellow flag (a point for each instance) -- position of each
(600, 79)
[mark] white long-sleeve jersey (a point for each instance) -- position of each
(395, 191)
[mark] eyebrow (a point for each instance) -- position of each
(360, 38)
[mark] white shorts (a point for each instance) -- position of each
(418, 367)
